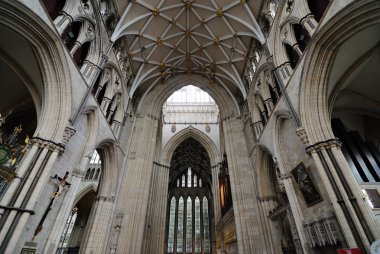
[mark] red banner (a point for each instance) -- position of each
(349, 251)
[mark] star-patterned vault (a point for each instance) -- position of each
(210, 38)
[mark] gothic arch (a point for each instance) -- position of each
(109, 172)
(226, 101)
(315, 93)
(54, 97)
(89, 188)
(196, 134)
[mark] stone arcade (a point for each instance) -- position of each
(189, 126)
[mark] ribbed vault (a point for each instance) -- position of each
(171, 37)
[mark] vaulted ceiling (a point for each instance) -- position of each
(194, 37)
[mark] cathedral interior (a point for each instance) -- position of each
(189, 126)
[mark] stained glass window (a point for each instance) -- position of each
(195, 180)
(189, 177)
(183, 181)
(197, 226)
(206, 232)
(171, 226)
(189, 229)
(180, 225)
(177, 182)
(200, 182)
(68, 230)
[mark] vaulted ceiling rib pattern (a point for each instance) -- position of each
(171, 37)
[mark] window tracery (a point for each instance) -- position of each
(190, 214)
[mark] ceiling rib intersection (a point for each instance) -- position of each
(172, 37)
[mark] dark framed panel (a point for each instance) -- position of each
(305, 185)
(28, 251)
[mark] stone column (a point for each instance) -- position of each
(14, 221)
(86, 34)
(21, 172)
(340, 184)
(66, 206)
(98, 226)
(297, 49)
(216, 194)
(354, 191)
(285, 179)
(62, 22)
(135, 193)
(268, 204)
(155, 237)
(310, 24)
(249, 227)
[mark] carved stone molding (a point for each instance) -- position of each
(323, 231)
(68, 134)
(50, 145)
(328, 144)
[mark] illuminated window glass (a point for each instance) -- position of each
(195, 180)
(206, 232)
(183, 181)
(189, 229)
(68, 229)
(177, 182)
(189, 177)
(200, 182)
(171, 226)
(180, 225)
(197, 225)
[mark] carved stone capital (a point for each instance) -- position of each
(50, 145)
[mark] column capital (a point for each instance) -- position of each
(48, 144)
(323, 145)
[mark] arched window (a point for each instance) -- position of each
(171, 226)
(206, 226)
(197, 239)
(183, 180)
(87, 174)
(97, 174)
(188, 225)
(180, 226)
(68, 229)
(189, 177)
(92, 174)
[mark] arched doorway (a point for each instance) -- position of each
(189, 200)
